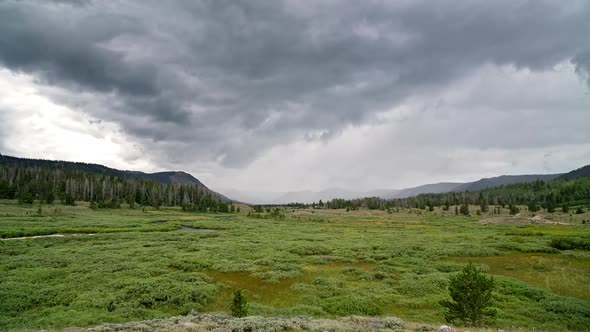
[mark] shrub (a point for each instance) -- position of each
(351, 305)
(239, 306)
(25, 198)
(68, 199)
(471, 294)
(570, 244)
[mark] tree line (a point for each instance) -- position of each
(535, 195)
(33, 183)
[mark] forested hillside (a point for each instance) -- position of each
(162, 177)
(582, 172)
(548, 195)
(29, 180)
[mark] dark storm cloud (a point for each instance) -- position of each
(225, 80)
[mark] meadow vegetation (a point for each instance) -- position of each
(137, 264)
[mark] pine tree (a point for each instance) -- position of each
(239, 306)
(464, 209)
(471, 294)
(514, 210)
(484, 206)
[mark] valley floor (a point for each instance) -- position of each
(126, 265)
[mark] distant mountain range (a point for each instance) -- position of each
(445, 187)
(306, 196)
(434, 188)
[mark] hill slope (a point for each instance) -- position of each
(168, 177)
(504, 180)
(434, 188)
(582, 172)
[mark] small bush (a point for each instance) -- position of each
(351, 305)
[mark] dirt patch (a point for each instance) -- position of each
(191, 229)
(542, 220)
(521, 220)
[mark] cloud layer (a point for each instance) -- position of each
(219, 87)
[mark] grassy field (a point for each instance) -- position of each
(128, 265)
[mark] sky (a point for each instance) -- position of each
(288, 95)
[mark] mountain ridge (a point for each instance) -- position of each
(304, 196)
(308, 196)
(164, 177)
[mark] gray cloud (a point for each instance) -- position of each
(224, 81)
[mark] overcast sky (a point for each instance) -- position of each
(292, 95)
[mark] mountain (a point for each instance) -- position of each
(504, 180)
(445, 187)
(304, 196)
(435, 188)
(168, 177)
(324, 195)
(582, 172)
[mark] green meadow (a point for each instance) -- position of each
(120, 265)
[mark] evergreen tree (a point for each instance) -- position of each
(25, 198)
(483, 204)
(49, 197)
(471, 294)
(239, 306)
(464, 209)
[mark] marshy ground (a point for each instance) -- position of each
(140, 265)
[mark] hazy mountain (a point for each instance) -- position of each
(307, 196)
(484, 183)
(304, 196)
(435, 188)
(254, 197)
